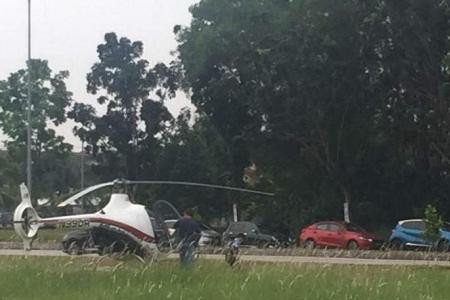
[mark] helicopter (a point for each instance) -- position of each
(120, 227)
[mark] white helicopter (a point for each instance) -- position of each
(121, 226)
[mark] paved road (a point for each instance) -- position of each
(273, 259)
(14, 252)
(336, 260)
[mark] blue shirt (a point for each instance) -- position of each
(187, 229)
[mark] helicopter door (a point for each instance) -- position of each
(165, 210)
(168, 215)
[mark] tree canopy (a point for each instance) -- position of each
(334, 101)
(329, 102)
(50, 99)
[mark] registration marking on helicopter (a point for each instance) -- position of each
(71, 223)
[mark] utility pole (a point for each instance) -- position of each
(29, 103)
(83, 203)
(82, 165)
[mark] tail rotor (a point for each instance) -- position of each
(26, 219)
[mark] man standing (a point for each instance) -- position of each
(188, 233)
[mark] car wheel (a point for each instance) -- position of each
(263, 244)
(309, 244)
(139, 254)
(396, 244)
(443, 246)
(74, 248)
(108, 250)
(352, 245)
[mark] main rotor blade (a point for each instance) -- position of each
(187, 183)
(91, 189)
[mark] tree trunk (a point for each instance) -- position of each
(347, 200)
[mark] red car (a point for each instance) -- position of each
(338, 235)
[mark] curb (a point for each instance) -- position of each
(286, 252)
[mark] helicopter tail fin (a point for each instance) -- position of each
(26, 219)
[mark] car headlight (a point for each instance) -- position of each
(365, 239)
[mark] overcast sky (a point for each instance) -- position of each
(67, 32)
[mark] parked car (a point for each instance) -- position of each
(338, 235)
(6, 219)
(75, 242)
(250, 233)
(285, 237)
(208, 237)
(105, 240)
(410, 234)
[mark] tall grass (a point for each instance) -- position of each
(92, 278)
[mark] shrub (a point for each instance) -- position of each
(433, 224)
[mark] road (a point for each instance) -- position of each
(270, 258)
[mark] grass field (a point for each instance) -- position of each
(90, 278)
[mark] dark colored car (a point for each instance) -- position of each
(76, 242)
(251, 235)
(338, 235)
(107, 241)
(208, 237)
(6, 219)
(99, 240)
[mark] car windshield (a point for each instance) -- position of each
(354, 228)
(446, 226)
(165, 210)
(170, 223)
(204, 227)
(244, 227)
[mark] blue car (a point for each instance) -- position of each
(410, 234)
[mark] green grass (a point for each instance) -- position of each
(44, 235)
(90, 278)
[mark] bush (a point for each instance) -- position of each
(433, 224)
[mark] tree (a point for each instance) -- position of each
(412, 118)
(333, 101)
(9, 181)
(270, 83)
(433, 225)
(190, 150)
(125, 83)
(50, 98)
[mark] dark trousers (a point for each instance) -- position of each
(187, 253)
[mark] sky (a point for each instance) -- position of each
(67, 32)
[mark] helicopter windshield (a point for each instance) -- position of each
(165, 210)
(160, 214)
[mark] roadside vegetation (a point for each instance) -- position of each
(88, 278)
(322, 102)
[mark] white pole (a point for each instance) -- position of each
(29, 103)
(235, 213)
(82, 165)
(346, 212)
